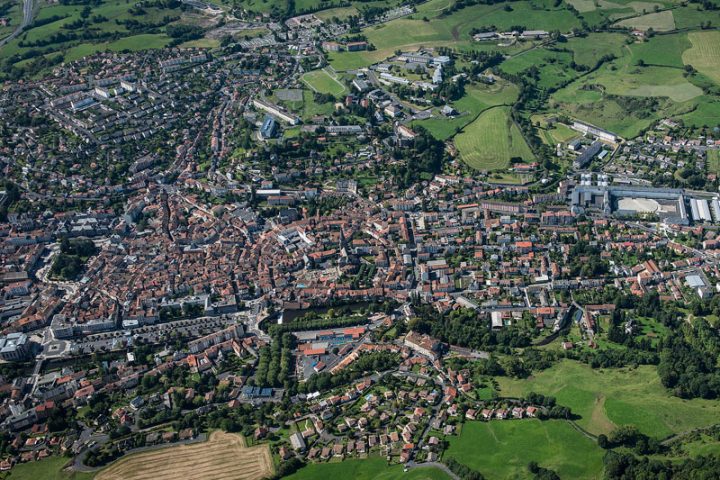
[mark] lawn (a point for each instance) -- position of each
(704, 54)
(605, 398)
(713, 161)
(503, 449)
(323, 82)
(48, 469)
(491, 141)
(373, 468)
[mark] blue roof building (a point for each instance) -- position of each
(269, 127)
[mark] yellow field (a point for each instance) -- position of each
(704, 54)
(223, 456)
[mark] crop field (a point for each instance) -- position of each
(373, 468)
(606, 398)
(323, 82)
(503, 449)
(704, 54)
(659, 21)
(477, 98)
(223, 456)
(491, 141)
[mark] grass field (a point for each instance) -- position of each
(452, 30)
(48, 469)
(704, 54)
(223, 456)
(374, 468)
(477, 98)
(503, 449)
(661, 78)
(323, 82)
(611, 397)
(491, 141)
(660, 22)
(713, 161)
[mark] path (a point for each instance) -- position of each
(437, 465)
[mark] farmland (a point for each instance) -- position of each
(503, 449)
(451, 30)
(491, 141)
(704, 54)
(323, 82)
(223, 456)
(660, 21)
(605, 398)
(373, 468)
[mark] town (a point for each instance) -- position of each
(249, 246)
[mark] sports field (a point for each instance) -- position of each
(491, 141)
(323, 82)
(370, 469)
(503, 449)
(704, 54)
(223, 456)
(606, 398)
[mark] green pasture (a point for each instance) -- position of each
(373, 468)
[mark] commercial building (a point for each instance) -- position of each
(14, 347)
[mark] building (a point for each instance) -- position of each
(587, 155)
(276, 111)
(356, 46)
(599, 133)
(269, 127)
(423, 344)
(14, 347)
(297, 441)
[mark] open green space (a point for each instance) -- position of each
(606, 398)
(713, 161)
(453, 30)
(503, 449)
(658, 21)
(49, 469)
(323, 82)
(491, 141)
(373, 468)
(478, 97)
(73, 31)
(704, 55)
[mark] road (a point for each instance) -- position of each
(28, 8)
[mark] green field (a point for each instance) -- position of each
(491, 141)
(704, 54)
(451, 30)
(606, 398)
(48, 469)
(650, 70)
(660, 22)
(503, 449)
(55, 38)
(323, 82)
(477, 98)
(374, 468)
(713, 161)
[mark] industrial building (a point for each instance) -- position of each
(621, 201)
